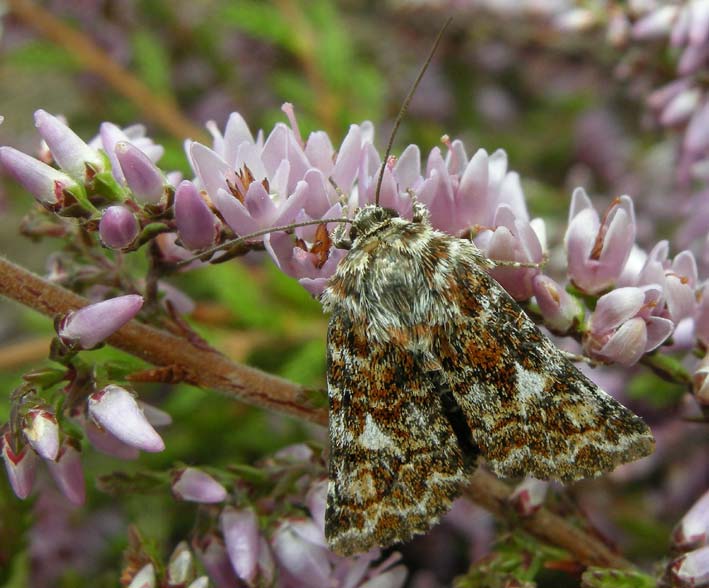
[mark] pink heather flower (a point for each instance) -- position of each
(201, 582)
(692, 569)
(69, 151)
(92, 324)
(20, 467)
(115, 409)
(700, 382)
(155, 416)
(68, 474)
(180, 568)
(243, 542)
(145, 578)
(213, 555)
(197, 226)
(310, 261)
(680, 108)
(196, 486)
(107, 443)
(304, 559)
(111, 134)
(656, 24)
(258, 184)
(678, 280)
(622, 327)
(693, 530)
(42, 432)
(118, 227)
(301, 553)
(142, 176)
(528, 497)
(45, 183)
(597, 249)
(696, 139)
(557, 306)
(514, 239)
(701, 320)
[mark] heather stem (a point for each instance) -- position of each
(209, 369)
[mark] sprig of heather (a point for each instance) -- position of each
(618, 300)
(245, 184)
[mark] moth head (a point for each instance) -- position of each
(370, 218)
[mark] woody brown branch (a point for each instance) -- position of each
(210, 369)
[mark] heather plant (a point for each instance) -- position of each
(172, 433)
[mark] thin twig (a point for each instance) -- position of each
(155, 108)
(209, 369)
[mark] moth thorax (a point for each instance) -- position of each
(370, 218)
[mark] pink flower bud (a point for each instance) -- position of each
(528, 497)
(215, 560)
(94, 323)
(693, 530)
(68, 474)
(20, 467)
(69, 151)
(700, 382)
(196, 486)
(44, 182)
(201, 582)
(142, 176)
(106, 443)
(301, 553)
(692, 569)
(557, 306)
(656, 24)
(116, 410)
(241, 535)
(118, 227)
(196, 224)
(145, 578)
(180, 568)
(42, 432)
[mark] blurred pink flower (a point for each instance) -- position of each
(197, 486)
(622, 327)
(692, 569)
(528, 497)
(68, 473)
(693, 530)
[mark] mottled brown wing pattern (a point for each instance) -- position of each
(430, 362)
(395, 462)
(530, 410)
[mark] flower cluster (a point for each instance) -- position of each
(617, 299)
(259, 541)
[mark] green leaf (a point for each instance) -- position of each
(152, 62)
(517, 561)
(233, 285)
(307, 365)
(40, 55)
(603, 578)
(262, 21)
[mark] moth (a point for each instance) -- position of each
(431, 364)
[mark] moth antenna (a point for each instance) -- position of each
(405, 106)
(243, 238)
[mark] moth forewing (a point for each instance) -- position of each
(430, 361)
